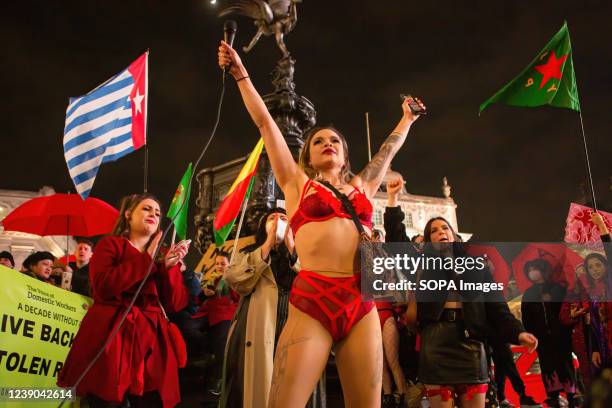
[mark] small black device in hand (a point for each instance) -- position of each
(414, 106)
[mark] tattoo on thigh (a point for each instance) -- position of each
(280, 367)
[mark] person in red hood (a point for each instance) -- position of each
(139, 367)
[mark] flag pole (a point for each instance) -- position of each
(146, 168)
(244, 206)
(588, 162)
(367, 117)
(146, 146)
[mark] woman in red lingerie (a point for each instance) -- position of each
(139, 367)
(326, 309)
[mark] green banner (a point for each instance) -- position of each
(38, 323)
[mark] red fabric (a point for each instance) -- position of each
(497, 264)
(218, 309)
(445, 393)
(335, 302)
(385, 311)
(579, 346)
(469, 390)
(140, 358)
(532, 380)
(140, 72)
(178, 344)
(65, 261)
(323, 205)
(229, 209)
(62, 214)
(580, 229)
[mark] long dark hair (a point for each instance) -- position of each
(129, 204)
(427, 230)
(304, 161)
(605, 263)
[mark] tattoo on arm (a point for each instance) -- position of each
(381, 160)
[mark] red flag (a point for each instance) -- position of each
(579, 228)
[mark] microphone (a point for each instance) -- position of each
(229, 33)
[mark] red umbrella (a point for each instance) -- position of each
(65, 261)
(498, 265)
(62, 214)
(563, 260)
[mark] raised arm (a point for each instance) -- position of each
(604, 234)
(372, 175)
(284, 167)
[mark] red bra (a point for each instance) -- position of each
(323, 205)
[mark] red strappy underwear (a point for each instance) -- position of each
(469, 390)
(335, 302)
(385, 311)
(323, 205)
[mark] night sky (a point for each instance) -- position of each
(513, 171)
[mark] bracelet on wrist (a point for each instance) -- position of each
(240, 79)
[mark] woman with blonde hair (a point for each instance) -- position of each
(326, 308)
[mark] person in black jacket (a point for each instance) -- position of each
(540, 308)
(395, 230)
(80, 267)
(454, 325)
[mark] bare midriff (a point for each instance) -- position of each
(328, 247)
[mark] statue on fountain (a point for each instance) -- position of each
(272, 17)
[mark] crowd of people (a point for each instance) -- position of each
(44, 266)
(265, 323)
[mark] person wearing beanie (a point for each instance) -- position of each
(39, 266)
(6, 259)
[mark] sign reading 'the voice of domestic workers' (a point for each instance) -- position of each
(38, 323)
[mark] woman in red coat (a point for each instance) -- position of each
(139, 365)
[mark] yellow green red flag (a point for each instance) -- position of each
(238, 192)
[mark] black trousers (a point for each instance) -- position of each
(505, 368)
(217, 336)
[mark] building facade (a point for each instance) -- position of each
(21, 244)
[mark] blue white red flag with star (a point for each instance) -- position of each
(106, 124)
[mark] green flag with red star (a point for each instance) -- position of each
(178, 210)
(548, 80)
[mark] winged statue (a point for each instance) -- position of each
(272, 17)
